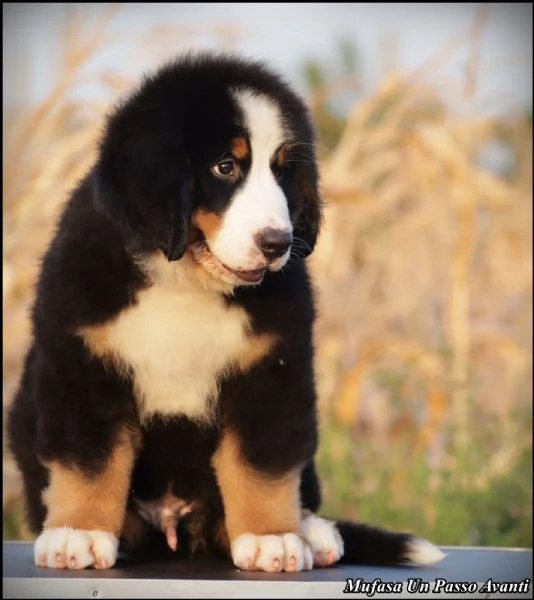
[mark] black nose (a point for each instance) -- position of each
(273, 242)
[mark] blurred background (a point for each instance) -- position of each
(423, 268)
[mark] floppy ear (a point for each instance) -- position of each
(180, 221)
(308, 219)
(142, 183)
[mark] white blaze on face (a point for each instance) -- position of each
(259, 203)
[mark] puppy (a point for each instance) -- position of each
(169, 389)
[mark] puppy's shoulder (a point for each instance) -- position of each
(86, 272)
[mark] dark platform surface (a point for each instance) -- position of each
(212, 579)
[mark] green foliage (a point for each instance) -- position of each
(397, 489)
(313, 74)
(14, 524)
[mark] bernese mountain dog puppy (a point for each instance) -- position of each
(168, 402)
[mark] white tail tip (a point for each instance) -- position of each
(423, 552)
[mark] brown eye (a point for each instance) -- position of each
(225, 168)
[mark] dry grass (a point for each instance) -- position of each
(425, 271)
(423, 266)
(425, 260)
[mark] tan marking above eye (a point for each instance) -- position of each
(239, 148)
(281, 156)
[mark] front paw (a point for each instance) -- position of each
(67, 548)
(271, 553)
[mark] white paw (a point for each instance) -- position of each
(67, 548)
(271, 553)
(324, 539)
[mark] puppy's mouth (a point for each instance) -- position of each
(207, 259)
(253, 276)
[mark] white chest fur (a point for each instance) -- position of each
(176, 346)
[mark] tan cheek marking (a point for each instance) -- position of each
(253, 502)
(239, 148)
(95, 501)
(208, 222)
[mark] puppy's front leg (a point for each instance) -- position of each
(85, 510)
(262, 512)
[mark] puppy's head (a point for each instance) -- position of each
(213, 157)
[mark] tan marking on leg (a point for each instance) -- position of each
(91, 502)
(258, 347)
(208, 222)
(239, 147)
(253, 502)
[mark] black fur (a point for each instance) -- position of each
(366, 545)
(151, 173)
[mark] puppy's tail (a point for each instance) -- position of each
(366, 545)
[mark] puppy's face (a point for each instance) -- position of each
(244, 213)
(213, 158)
